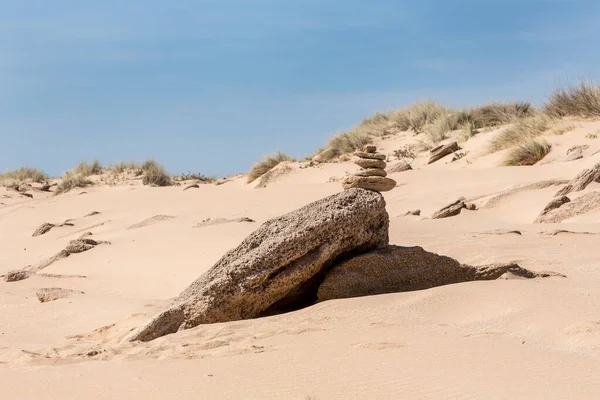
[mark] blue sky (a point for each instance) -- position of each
(211, 86)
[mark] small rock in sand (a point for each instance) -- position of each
(46, 295)
(450, 210)
(16, 275)
(44, 228)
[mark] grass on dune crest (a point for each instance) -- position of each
(71, 180)
(582, 100)
(267, 164)
(23, 174)
(154, 174)
(528, 152)
(523, 130)
(431, 119)
(123, 166)
(85, 169)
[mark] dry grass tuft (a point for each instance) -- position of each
(582, 100)
(522, 131)
(23, 174)
(72, 180)
(85, 169)
(267, 164)
(155, 174)
(495, 114)
(527, 153)
(122, 166)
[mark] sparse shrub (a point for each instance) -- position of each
(592, 136)
(345, 143)
(562, 129)
(406, 153)
(155, 174)
(85, 169)
(195, 177)
(267, 164)
(582, 100)
(72, 180)
(597, 166)
(24, 174)
(459, 154)
(522, 131)
(527, 153)
(468, 130)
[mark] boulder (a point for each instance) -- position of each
(554, 204)
(361, 162)
(280, 265)
(442, 151)
(450, 210)
(580, 182)
(400, 166)
(371, 172)
(400, 269)
(16, 275)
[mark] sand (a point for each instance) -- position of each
(534, 339)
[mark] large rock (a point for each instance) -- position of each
(280, 265)
(376, 183)
(401, 269)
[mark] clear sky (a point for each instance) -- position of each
(211, 86)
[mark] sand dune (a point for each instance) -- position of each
(508, 338)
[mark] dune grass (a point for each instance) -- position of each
(582, 100)
(23, 174)
(522, 131)
(528, 152)
(123, 166)
(154, 174)
(267, 164)
(84, 169)
(71, 180)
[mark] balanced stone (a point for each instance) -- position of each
(375, 183)
(372, 156)
(371, 172)
(366, 163)
(370, 149)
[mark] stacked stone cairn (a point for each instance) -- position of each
(372, 175)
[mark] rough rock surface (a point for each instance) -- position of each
(450, 210)
(372, 156)
(50, 294)
(80, 245)
(375, 183)
(400, 269)
(554, 204)
(16, 275)
(574, 155)
(280, 265)
(413, 212)
(365, 163)
(400, 166)
(580, 182)
(371, 172)
(580, 205)
(370, 148)
(44, 228)
(442, 151)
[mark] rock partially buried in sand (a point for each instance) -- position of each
(450, 210)
(16, 275)
(580, 182)
(442, 151)
(278, 266)
(580, 205)
(554, 204)
(400, 166)
(401, 269)
(44, 228)
(50, 294)
(375, 183)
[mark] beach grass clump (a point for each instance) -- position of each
(522, 131)
(23, 174)
(87, 169)
(582, 100)
(71, 180)
(267, 164)
(528, 152)
(154, 174)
